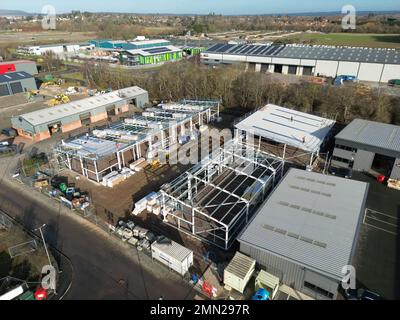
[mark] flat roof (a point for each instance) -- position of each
(80, 106)
(316, 52)
(240, 265)
(173, 249)
(371, 133)
(154, 50)
(310, 219)
(14, 76)
(288, 126)
(91, 146)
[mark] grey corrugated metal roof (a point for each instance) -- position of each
(173, 249)
(359, 54)
(240, 265)
(370, 133)
(310, 219)
(81, 106)
(14, 76)
(288, 126)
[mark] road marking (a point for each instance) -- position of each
(381, 221)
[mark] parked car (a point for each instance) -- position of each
(361, 294)
(341, 172)
(9, 132)
(394, 83)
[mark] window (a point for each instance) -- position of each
(341, 159)
(339, 146)
(318, 290)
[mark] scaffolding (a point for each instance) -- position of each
(215, 199)
(117, 145)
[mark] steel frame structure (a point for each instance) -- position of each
(215, 199)
(158, 125)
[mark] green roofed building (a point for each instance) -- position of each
(148, 56)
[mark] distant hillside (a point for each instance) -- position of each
(5, 12)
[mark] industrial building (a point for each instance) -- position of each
(16, 82)
(215, 199)
(58, 49)
(151, 55)
(136, 138)
(369, 146)
(287, 133)
(18, 66)
(129, 45)
(368, 64)
(306, 231)
(42, 124)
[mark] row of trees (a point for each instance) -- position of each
(238, 88)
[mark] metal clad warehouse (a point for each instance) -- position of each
(306, 231)
(369, 146)
(41, 124)
(16, 82)
(368, 64)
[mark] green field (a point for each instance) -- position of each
(347, 39)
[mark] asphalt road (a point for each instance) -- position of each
(103, 268)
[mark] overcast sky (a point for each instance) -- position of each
(200, 6)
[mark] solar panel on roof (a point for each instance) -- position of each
(262, 52)
(260, 48)
(215, 47)
(157, 50)
(224, 48)
(247, 49)
(236, 49)
(253, 49)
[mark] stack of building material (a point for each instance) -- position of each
(107, 177)
(126, 172)
(140, 206)
(114, 180)
(138, 165)
(157, 209)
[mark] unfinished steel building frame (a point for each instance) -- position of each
(214, 200)
(141, 136)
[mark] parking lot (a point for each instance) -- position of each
(377, 259)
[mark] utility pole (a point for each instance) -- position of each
(44, 242)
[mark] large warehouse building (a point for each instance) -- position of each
(368, 64)
(42, 124)
(16, 82)
(369, 146)
(306, 231)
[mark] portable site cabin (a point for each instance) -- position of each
(268, 282)
(172, 254)
(239, 271)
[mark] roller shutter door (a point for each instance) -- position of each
(16, 87)
(4, 90)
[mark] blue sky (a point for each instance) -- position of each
(200, 6)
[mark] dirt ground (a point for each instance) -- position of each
(120, 199)
(45, 37)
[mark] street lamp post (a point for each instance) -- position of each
(44, 243)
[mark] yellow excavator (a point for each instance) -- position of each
(59, 99)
